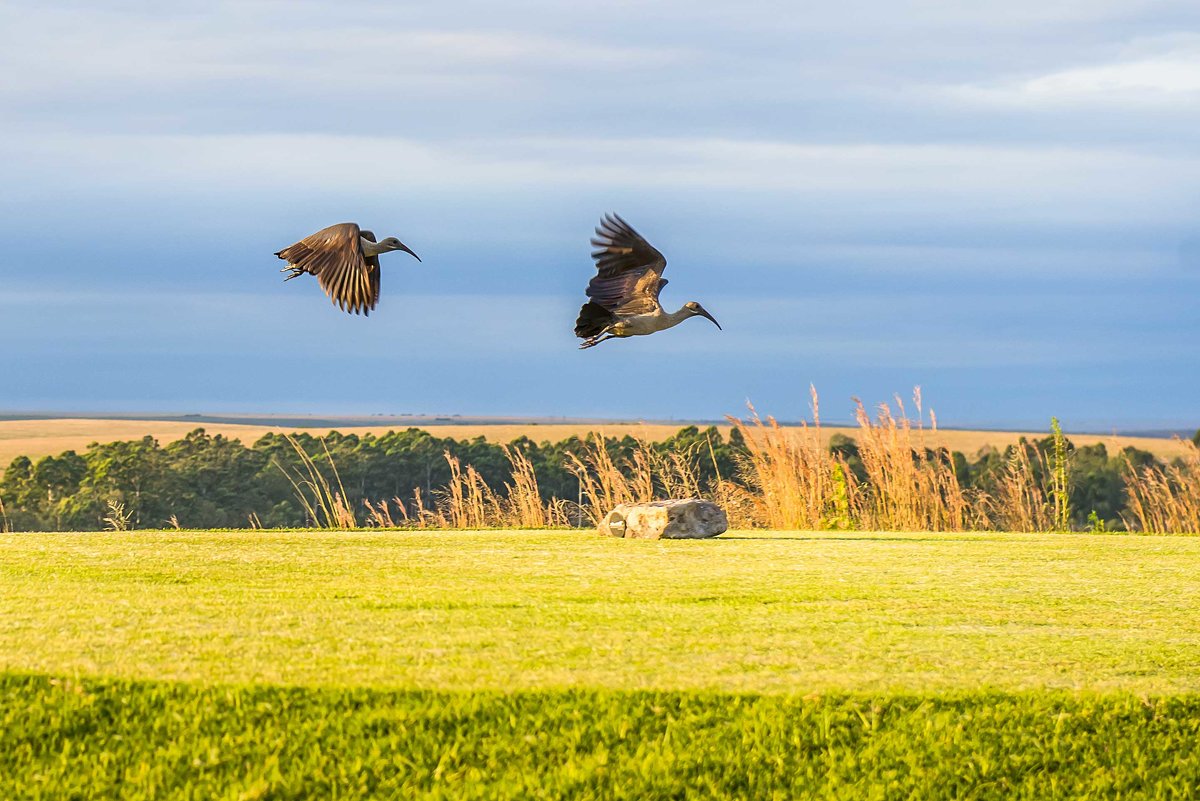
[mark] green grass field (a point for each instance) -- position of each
(557, 664)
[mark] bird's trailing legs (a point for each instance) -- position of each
(593, 341)
(295, 271)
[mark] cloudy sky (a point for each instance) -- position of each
(999, 202)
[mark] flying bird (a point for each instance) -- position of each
(345, 260)
(623, 295)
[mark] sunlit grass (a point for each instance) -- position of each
(558, 664)
(750, 612)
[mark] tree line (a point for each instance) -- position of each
(207, 481)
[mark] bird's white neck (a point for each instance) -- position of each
(370, 248)
(676, 317)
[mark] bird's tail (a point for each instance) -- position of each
(593, 319)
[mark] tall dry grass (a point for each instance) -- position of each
(523, 505)
(909, 486)
(324, 506)
(1165, 499)
(643, 476)
(788, 472)
(118, 518)
(604, 483)
(798, 483)
(379, 513)
(904, 482)
(788, 479)
(1021, 501)
(468, 502)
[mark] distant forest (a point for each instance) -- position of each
(205, 481)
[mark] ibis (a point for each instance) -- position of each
(345, 260)
(623, 295)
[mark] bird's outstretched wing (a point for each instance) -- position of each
(335, 256)
(628, 269)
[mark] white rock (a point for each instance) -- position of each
(686, 519)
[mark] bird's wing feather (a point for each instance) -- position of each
(334, 255)
(373, 277)
(628, 269)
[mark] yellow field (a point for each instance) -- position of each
(38, 438)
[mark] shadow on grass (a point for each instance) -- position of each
(186, 741)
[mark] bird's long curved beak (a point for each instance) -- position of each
(704, 313)
(404, 247)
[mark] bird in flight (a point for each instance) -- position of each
(623, 295)
(345, 260)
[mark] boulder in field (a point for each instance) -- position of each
(684, 519)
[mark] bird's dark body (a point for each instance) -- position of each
(623, 294)
(627, 281)
(593, 319)
(336, 256)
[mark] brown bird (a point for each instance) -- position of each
(623, 296)
(345, 260)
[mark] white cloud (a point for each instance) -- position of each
(1164, 70)
(1175, 74)
(44, 50)
(1040, 183)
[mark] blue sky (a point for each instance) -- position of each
(999, 202)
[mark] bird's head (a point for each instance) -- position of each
(392, 243)
(696, 310)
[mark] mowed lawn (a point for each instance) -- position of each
(559, 664)
(750, 612)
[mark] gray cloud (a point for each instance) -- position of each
(993, 200)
